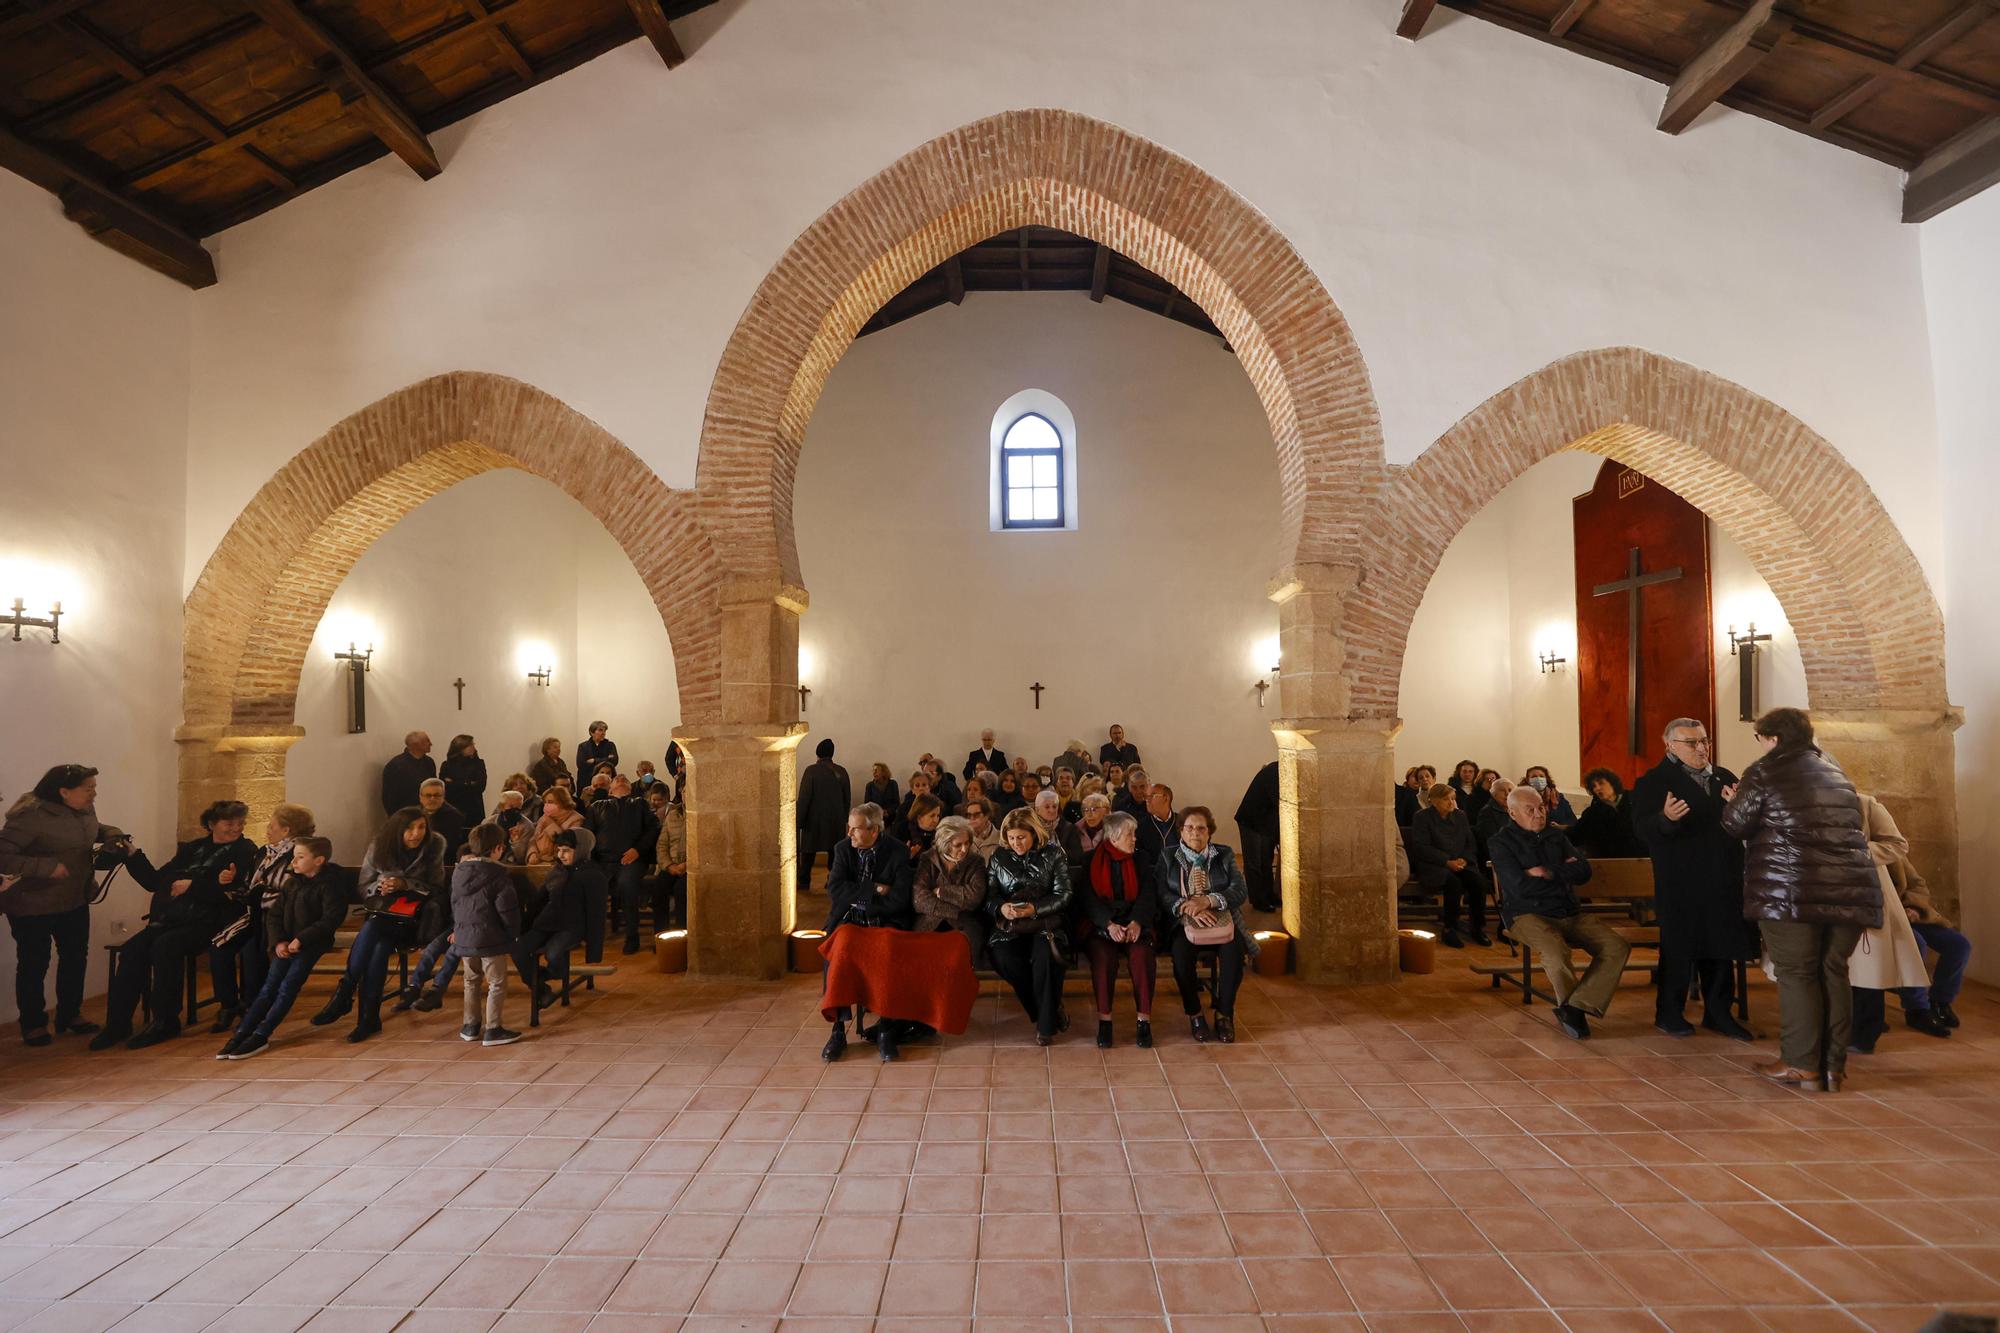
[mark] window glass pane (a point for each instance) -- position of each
(1020, 505)
(1031, 432)
(1045, 505)
(1045, 470)
(1020, 471)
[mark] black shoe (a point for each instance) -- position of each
(1926, 1022)
(1198, 1027)
(1103, 1034)
(1945, 1013)
(365, 1027)
(84, 1028)
(835, 1044)
(1482, 939)
(1144, 1041)
(545, 997)
(42, 1038)
(1062, 1018)
(109, 1037)
(1452, 939)
(1225, 1029)
(1045, 1039)
(499, 1037)
(1571, 1020)
(427, 1002)
(226, 1021)
(632, 945)
(1728, 1027)
(154, 1034)
(406, 1000)
(1863, 1043)
(337, 1005)
(1674, 1026)
(885, 1040)
(470, 1032)
(254, 1044)
(230, 1047)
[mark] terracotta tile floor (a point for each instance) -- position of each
(674, 1155)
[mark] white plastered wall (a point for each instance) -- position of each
(926, 625)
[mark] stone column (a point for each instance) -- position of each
(1336, 820)
(1904, 758)
(742, 847)
(227, 763)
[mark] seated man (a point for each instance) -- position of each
(1934, 931)
(869, 880)
(575, 885)
(1445, 856)
(1539, 872)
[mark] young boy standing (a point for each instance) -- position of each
(486, 922)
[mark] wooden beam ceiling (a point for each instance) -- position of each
(652, 17)
(350, 79)
(1722, 64)
(1954, 173)
(1925, 45)
(1416, 13)
(1567, 17)
(118, 220)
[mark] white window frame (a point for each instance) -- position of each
(1037, 402)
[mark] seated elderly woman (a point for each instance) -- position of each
(918, 830)
(1203, 894)
(559, 814)
(1445, 856)
(1027, 897)
(868, 883)
(1119, 907)
(949, 890)
(882, 788)
(1090, 831)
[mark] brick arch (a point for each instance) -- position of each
(1027, 168)
(1869, 630)
(252, 613)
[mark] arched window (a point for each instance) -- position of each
(1034, 464)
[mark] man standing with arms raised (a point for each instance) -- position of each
(1697, 880)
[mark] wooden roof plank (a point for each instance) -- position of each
(1961, 168)
(348, 77)
(1570, 14)
(1921, 48)
(125, 224)
(1416, 13)
(1723, 62)
(652, 20)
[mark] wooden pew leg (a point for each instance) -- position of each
(1527, 974)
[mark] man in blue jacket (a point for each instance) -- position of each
(1539, 871)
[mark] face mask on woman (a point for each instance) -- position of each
(1538, 782)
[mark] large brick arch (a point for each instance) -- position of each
(1869, 630)
(251, 615)
(1047, 168)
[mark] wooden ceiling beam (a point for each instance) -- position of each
(1416, 13)
(125, 224)
(236, 135)
(1720, 65)
(20, 25)
(1969, 93)
(1100, 273)
(1921, 48)
(1571, 13)
(1962, 167)
(168, 66)
(348, 77)
(954, 280)
(509, 52)
(652, 19)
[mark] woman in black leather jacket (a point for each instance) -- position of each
(1027, 895)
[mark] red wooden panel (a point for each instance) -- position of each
(1623, 511)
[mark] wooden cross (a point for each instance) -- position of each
(459, 685)
(1037, 688)
(804, 690)
(1633, 585)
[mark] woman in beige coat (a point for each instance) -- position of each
(1887, 957)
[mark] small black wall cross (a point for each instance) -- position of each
(459, 685)
(1037, 688)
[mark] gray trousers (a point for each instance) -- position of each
(493, 972)
(1815, 1003)
(1552, 937)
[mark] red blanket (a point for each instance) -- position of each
(923, 978)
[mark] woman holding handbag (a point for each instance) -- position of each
(401, 872)
(1027, 895)
(1204, 895)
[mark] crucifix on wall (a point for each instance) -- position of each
(1037, 688)
(459, 685)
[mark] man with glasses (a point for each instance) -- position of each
(1697, 880)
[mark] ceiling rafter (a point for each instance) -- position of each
(1721, 64)
(127, 225)
(652, 19)
(348, 77)
(1959, 23)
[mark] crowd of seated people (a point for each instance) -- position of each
(265, 916)
(1075, 863)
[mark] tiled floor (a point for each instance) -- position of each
(667, 1154)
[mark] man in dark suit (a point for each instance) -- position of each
(988, 754)
(1697, 880)
(405, 774)
(1116, 751)
(825, 797)
(868, 880)
(1159, 829)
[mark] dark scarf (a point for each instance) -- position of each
(1105, 863)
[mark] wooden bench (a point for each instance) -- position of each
(1619, 886)
(587, 973)
(195, 1004)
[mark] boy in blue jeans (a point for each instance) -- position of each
(296, 932)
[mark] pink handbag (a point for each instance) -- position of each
(1221, 932)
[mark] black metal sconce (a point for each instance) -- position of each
(357, 691)
(20, 619)
(540, 675)
(1744, 647)
(1551, 662)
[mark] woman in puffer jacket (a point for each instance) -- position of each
(45, 889)
(1810, 884)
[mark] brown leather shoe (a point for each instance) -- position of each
(1780, 1072)
(1833, 1079)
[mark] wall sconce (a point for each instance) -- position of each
(21, 619)
(357, 693)
(540, 675)
(1744, 646)
(1551, 662)
(1264, 686)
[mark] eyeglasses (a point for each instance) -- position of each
(1692, 742)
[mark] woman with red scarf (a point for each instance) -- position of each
(1120, 906)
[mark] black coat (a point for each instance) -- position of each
(448, 823)
(1806, 842)
(1697, 868)
(310, 911)
(888, 795)
(1154, 841)
(401, 777)
(1041, 878)
(465, 786)
(1436, 839)
(1258, 810)
(1472, 800)
(878, 896)
(485, 910)
(1125, 755)
(825, 799)
(207, 902)
(1102, 911)
(619, 825)
(996, 763)
(589, 754)
(1407, 804)
(1605, 830)
(1516, 851)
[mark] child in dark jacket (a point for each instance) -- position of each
(486, 924)
(576, 893)
(296, 932)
